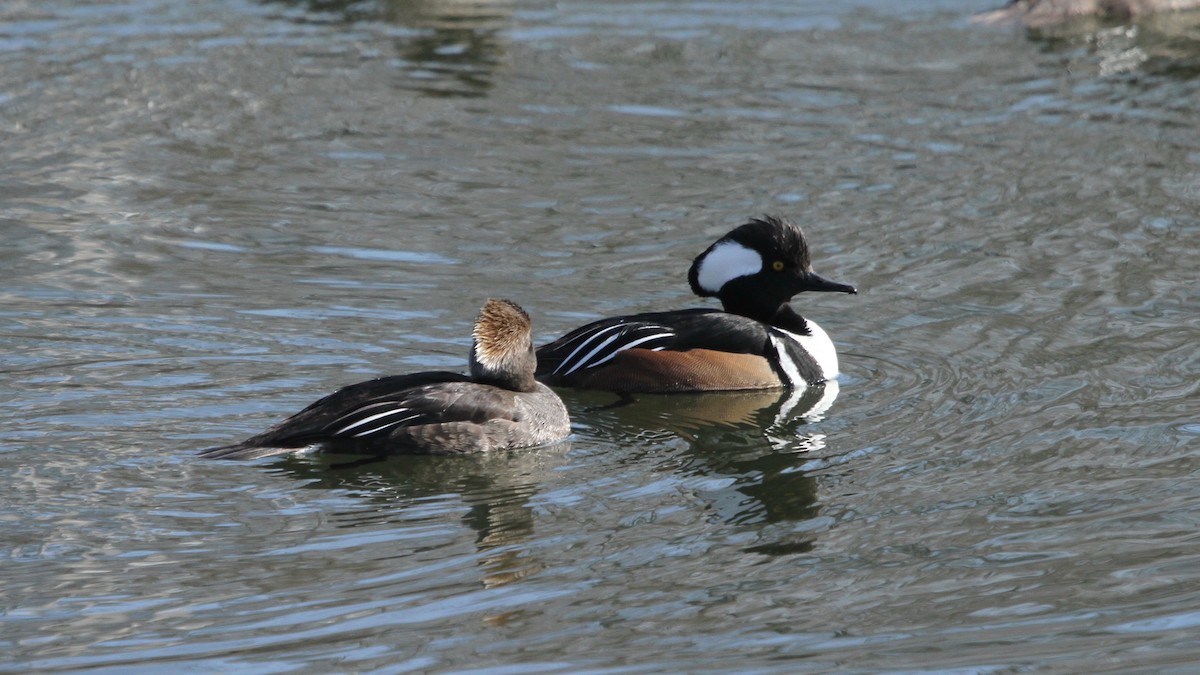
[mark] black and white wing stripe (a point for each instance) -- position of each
(361, 412)
(373, 418)
(600, 342)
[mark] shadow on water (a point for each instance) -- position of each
(454, 49)
(495, 487)
(753, 443)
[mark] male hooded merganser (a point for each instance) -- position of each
(500, 406)
(758, 342)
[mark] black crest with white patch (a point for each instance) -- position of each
(774, 240)
(757, 268)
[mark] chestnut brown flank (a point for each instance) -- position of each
(643, 370)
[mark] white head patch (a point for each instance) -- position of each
(726, 262)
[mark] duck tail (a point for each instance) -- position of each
(240, 451)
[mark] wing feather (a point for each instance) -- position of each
(599, 342)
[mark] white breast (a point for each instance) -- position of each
(818, 345)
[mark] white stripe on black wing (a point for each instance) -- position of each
(372, 419)
(601, 343)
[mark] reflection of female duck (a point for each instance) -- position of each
(496, 488)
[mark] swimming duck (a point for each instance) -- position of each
(757, 342)
(499, 406)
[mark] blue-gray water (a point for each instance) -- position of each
(214, 213)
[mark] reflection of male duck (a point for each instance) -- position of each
(770, 414)
(751, 442)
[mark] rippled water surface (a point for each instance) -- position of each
(215, 212)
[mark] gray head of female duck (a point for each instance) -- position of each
(502, 347)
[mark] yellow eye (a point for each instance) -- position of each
(777, 265)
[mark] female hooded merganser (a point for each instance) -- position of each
(500, 406)
(758, 342)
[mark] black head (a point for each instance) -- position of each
(502, 349)
(758, 267)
